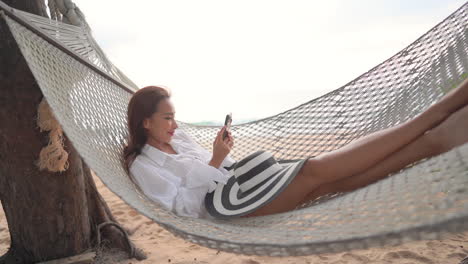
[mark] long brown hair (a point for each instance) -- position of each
(142, 105)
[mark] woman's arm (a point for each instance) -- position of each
(212, 158)
(221, 148)
(153, 185)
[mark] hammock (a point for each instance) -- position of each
(422, 201)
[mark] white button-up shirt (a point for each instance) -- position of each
(179, 182)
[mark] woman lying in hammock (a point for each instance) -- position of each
(175, 171)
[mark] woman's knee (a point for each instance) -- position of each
(313, 173)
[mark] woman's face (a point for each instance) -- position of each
(161, 125)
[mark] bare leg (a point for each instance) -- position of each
(447, 135)
(450, 133)
(296, 193)
(377, 150)
(365, 152)
(412, 152)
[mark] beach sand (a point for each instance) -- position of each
(163, 247)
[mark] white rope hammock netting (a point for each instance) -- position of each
(420, 202)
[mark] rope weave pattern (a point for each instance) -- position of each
(420, 202)
(77, 39)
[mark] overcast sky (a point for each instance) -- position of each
(250, 57)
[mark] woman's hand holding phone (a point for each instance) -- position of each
(222, 145)
(227, 124)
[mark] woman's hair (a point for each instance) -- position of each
(142, 105)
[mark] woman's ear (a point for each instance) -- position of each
(146, 123)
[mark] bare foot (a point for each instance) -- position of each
(453, 131)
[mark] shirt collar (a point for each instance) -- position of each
(177, 141)
(154, 154)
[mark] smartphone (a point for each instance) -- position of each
(227, 123)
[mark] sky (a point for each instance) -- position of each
(254, 58)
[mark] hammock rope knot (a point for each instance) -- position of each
(52, 157)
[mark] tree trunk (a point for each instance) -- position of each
(49, 215)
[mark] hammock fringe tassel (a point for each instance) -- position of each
(52, 157)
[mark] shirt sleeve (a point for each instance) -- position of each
(227, 162)
(200, 179)
(181, 195)
(154, 186)
(204, 175)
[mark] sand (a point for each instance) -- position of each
(163, 247)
